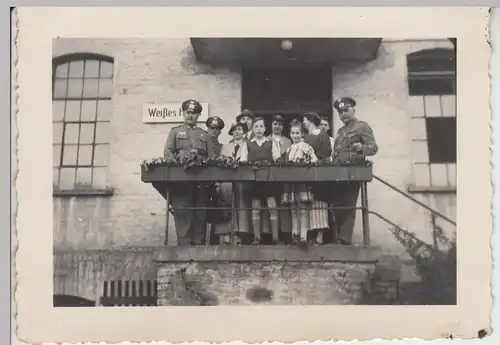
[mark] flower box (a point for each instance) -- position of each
(177, 173)
(314, 174)
(326, 173)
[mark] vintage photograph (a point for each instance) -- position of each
(276, 174)
(212, 171)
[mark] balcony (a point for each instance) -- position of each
(284, 51)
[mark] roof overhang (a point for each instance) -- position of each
(284, 51)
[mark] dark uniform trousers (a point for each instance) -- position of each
(346, 195)
(185, 142)
(190, 225)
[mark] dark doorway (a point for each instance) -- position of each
(287, 91)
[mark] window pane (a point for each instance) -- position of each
(104, 110)
(448, 103)
(86, 133)
(71, 133)
(75, 88)
(102, 132)
(416, 106)
(56, 155)
(88, 111)
(76, 69)
(90, 88)
(60, 88)
(431, 86)
(92, 69)
(106, 69)
(57, 128)
(420, 152)
(105, 88)
(55, 177)
(432, 106)
(83, 178)
(85, 155)
(422, 175)
(72, 111)
(62, 70)
(442, 139)
(69, 154)
(439, 59)
(57, 110)
(67, 178)
(101, 155)
(418, 130)
(99, 179)
(439, 175)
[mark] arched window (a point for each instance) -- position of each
(82, 108)
(432, 89)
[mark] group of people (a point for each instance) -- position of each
(269, 212)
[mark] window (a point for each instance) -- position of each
(432, 90)
(81, 112)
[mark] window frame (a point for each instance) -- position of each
(431, 73)
(90, 189)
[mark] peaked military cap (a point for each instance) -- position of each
(238, 124)
(343, 102)
(215, 121)
(244, 113)
(278, 118)
(192, 105)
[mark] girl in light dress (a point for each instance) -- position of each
(242, 227)
(298, 196)
(260, 148)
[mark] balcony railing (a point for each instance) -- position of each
(163, 176)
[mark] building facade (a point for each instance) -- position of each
(107, 221)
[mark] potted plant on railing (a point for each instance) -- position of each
(201, 168)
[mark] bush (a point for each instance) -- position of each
(436, 267)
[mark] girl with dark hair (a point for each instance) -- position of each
(257, 149)
(320, 142)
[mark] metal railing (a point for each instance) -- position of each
(365, 211)
(234, 211)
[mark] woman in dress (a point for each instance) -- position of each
(233, 151)
(320, 142)
(298, 196)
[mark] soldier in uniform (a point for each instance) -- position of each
(184, 142)
(214, 217)
(214, 127)
(354, 141)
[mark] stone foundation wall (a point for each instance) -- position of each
(274, 275)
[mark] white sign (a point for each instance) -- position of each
(168, 113)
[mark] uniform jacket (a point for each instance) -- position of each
(356, 132)
(184, 141)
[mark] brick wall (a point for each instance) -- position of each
(157, 70)
(276, 276)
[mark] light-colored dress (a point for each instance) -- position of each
(298, 192)
(242, 224)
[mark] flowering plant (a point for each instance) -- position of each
(199, 161)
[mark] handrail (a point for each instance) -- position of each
(415, 200)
